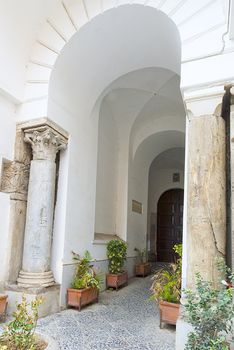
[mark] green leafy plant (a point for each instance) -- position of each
(19, 333)
(141, 255)
(117, 254)
(85, 274)
(210, 311)
(167, 281)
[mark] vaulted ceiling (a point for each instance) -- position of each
(33, 33)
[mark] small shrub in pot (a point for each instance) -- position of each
(166, 289)
(19, 334)
(142, 267)
(117, 255)
(85, 284)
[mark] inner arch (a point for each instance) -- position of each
(115, 88)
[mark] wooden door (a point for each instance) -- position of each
(169, 224)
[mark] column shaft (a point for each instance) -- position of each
(206, 230)
(38, 232)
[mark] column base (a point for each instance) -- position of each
(34, 279)
(50, 296)
(183, 328)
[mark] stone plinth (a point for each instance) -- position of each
(45, 143)
(50, 295)
(206, 230)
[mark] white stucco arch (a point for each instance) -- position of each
(109, 60)
(82, 75)
(161, 173)
(138, 178)
(63, 19)
(37, 90)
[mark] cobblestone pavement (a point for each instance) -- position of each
(121, 320)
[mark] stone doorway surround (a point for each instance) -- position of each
(30, 181)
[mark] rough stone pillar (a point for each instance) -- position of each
(232, 175)
(206, 226)
(45, 143)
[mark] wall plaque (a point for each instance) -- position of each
(137, 207)
(176, 177)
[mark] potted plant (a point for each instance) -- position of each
(210, 310)
(19, 333)
(86, 282)
(3, 306)
(166, 289)
(117, 254)
(143, 267)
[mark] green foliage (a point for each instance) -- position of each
(167, 281)
(85, 275)
(141, 255)
(210, 311)
(117, 254)
(19, 333)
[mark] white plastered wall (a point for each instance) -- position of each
(7, 135)
(107, 172)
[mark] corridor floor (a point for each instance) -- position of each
(123, 320)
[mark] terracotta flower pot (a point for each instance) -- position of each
(81, 297)
(169, 312)
(116, 280)
(143, 269)
(3, 306)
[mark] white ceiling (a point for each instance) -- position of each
(49, 24)
(173, 158)
(96, 59)
(149, 103)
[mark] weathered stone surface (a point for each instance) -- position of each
(206, 227)
(45, 143)
(39, 221)
(232, 178)
(14, 177)
(14, 180)
(50, 297)
(16, 237)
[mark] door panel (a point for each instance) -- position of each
(169, 224)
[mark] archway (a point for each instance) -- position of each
(169, 223)
(117, 116)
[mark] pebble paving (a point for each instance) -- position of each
(123, 320)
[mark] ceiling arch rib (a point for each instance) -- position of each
(173, 158)
(69, 16)
(163, 111)
(156, 144)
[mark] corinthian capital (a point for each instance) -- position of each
(45, 143)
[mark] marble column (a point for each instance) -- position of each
(45, 143)
(206, 202)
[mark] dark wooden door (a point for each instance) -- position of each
(169, 224)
